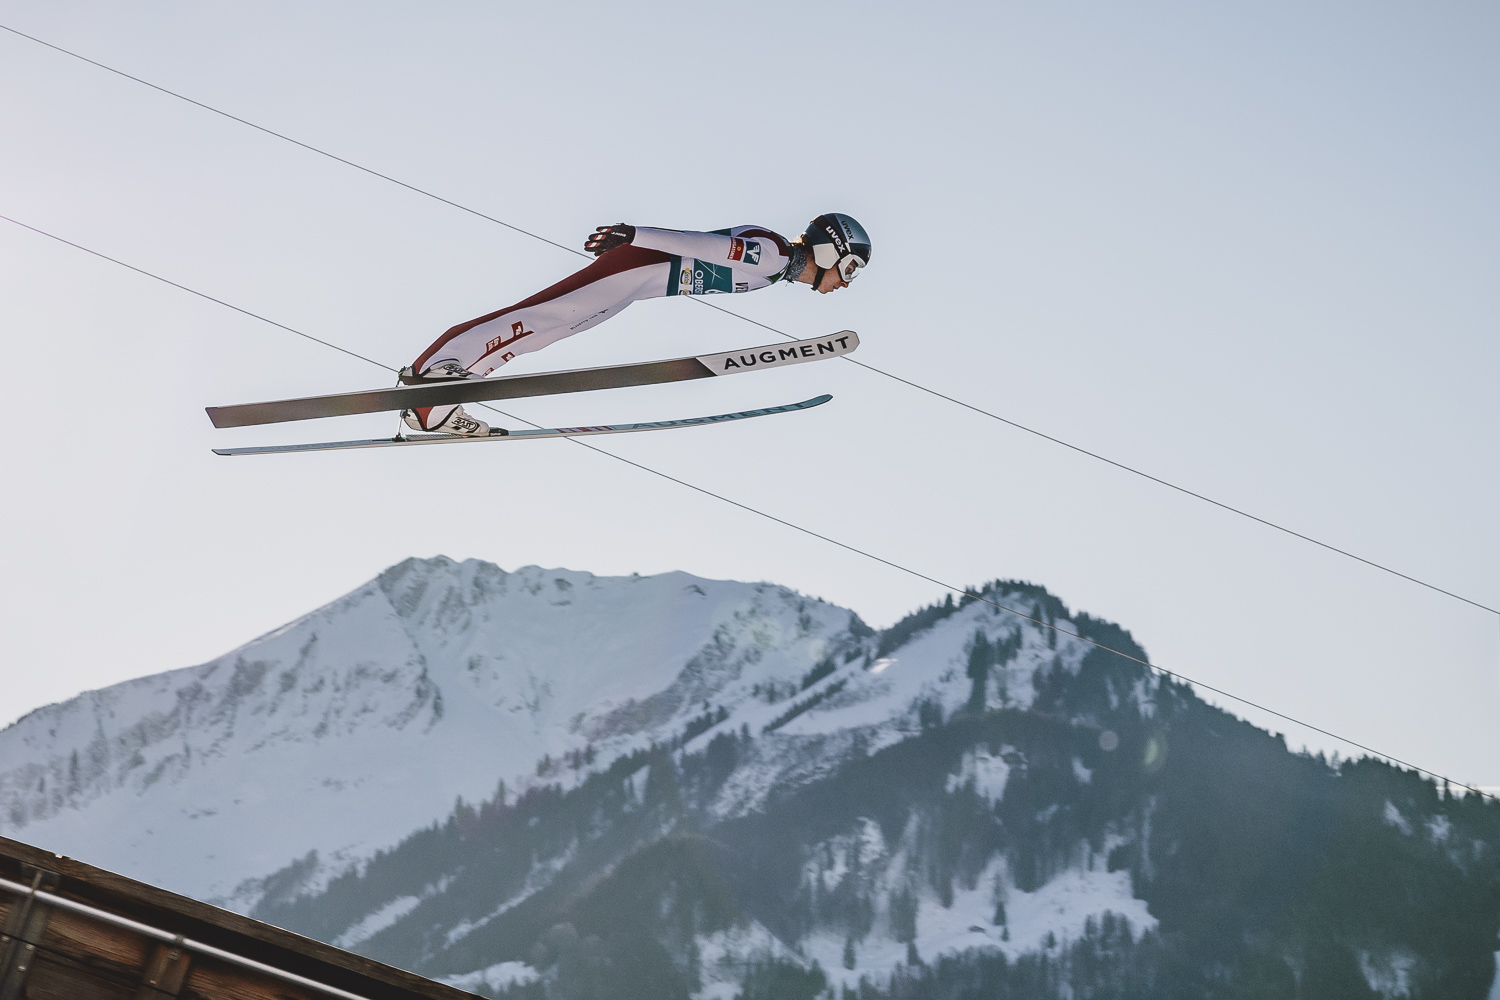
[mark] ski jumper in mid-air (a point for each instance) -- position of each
(633, 264)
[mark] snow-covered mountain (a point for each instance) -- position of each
(345, 730)
(676, 787)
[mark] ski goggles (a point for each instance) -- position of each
(847, 265)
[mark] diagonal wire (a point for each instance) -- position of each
(1126, 468)
(879, 371)
(286, 138)
(980, 598)
(899, 567)
(194, 291)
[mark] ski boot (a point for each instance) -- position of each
(450, 419)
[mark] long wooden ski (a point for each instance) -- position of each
(526, 435)
(542, 384)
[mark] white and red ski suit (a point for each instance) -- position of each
(657, 262)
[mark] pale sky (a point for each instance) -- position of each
(1252, 250)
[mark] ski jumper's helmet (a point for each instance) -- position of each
(837, 242)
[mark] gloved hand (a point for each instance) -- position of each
(606, 238)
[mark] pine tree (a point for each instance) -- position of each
(981, 658)
(903, 915)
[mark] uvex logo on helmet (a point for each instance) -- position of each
(839, 240)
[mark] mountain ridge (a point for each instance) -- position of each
(546, 785)
(334, 707)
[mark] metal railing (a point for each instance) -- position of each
(175, 940)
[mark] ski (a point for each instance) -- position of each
(477, 390)
(526, 435)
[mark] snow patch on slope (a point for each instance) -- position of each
(987, 772)
(541, 875)
(495, 978)
(1388, 974)
(724, 957)
(1394, 818)
(377, 921)
(1061, 906)
(1050, 917)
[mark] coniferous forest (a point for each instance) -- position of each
(1269, 874)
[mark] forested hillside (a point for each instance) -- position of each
(1041, 818)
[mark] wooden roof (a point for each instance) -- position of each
(53, 950)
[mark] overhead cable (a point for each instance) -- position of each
(194, 291)
(285, 138)
(865, 553)
(879, 371)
